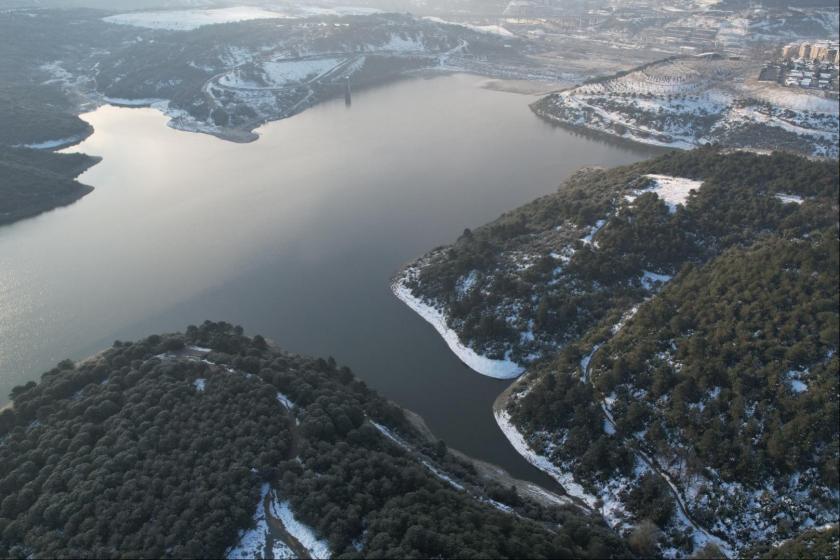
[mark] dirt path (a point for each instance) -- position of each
(277, 531)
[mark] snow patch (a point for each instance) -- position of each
(401, 44)
(139, 102)
(252, 542)
(285, 401)
(498, 505)
(517, 440)
(187, 20)
(673, 191)
(281, 551)
(490, 29)
(444, 477)
(466, 283)
(434, 470)
(789, 198)
(499, 369)
(794, 380)
(52, 144)
(317, 548)
(388, 434)
(285, 71)
(595, 229)
(651, 280)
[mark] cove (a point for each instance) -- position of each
(294, 236)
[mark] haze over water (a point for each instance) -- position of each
(294, 236)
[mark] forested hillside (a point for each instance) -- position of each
(681, 321)
(209, 444)
(33, 181)
(556, 267)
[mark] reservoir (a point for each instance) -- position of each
(294, 236)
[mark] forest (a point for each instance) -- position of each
(536, 267)
(723, 373)
(34, 181)
(159, 448)
(34, 104)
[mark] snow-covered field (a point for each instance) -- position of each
(187, 20)
(500, 369)
(673, 191)
(284, 71)
(494, 29)
(399, 44)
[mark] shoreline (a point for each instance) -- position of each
(493, 472)
(598, 134)
(498, 369)
(566, 480)
(58, 144)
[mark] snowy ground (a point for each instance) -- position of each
(284, 71)
(789, 198)
(691, 101)
(187, 20)
(53, 144)
(517, 440)
(500, 369)
(652, 280)
(673, 191)
(494, 29)
(304, 534)
(252, 542)
(434, 470)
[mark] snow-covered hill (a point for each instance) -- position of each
(690, 101)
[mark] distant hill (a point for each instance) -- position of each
(739, 4)
(690, 101)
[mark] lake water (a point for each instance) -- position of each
(294, 236)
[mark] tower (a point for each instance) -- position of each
(348, 99)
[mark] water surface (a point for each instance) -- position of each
(294, 236)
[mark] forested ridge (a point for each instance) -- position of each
(34, 181)
(721, 375)
(559, 265)
(160, 448)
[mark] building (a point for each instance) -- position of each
(790, 51)
(805, 50)
(823, 51)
